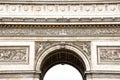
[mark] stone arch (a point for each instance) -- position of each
(59, 49)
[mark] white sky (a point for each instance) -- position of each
(63, 72)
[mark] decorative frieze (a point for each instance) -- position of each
(60, 30)
(14, 54)
(109, 54)
(67, 11)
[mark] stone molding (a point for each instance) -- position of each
(61, 20)
(60, 13)
(18, 71)
(59, 1)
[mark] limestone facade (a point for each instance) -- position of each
(36, 35)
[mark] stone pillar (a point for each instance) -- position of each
(88, 76)
(36, 76)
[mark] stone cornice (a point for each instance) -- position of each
(103, 72)
(18, 72)
(59, 1)
(60, 20)
(60, 13)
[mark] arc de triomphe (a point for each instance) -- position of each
(35, 35)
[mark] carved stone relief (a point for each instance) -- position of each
(46, 11)
(109, 54)
(60, 30)
(16, 54)
(83, 46)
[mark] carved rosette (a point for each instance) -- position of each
(83, 46)
(16, 54)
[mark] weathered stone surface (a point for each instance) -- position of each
(109, 54)
(14, 54)
(60, 30)
(85, 12)
(88, 29)
(84, 46)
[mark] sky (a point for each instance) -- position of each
(63, 72)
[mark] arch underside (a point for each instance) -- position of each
(62, 56)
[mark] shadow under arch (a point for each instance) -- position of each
(59, 55)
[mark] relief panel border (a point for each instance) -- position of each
(108, 54)
(95, 65)
(14, 54)
(21, 65)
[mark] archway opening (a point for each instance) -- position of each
(63, 72)
(62, 56)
